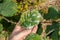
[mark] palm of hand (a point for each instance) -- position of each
(20, 33)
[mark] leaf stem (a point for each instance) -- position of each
(9, 20)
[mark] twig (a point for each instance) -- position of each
(50, 32)
(9, 20)
(58, 20)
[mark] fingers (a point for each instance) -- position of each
(17, 29)
(22, 34)
(34, 30)
(25, 33)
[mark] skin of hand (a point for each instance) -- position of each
(20, 33)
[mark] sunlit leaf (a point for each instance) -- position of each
(8, 8)
(29, 19)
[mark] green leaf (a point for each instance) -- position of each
(7, 1)
(54, 34)
(59, 30)
(33, 37)
(8, 8)
(29, 19)
(52, 13)
(1, 35)
(1, 27)
(59, 14)
(39, 31)
(0, 7)
(1, 18)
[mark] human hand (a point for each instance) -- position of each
(20, 33)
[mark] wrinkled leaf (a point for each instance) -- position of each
(8, 8)
(29, 19)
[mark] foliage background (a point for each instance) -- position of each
(11, 10)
